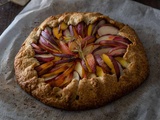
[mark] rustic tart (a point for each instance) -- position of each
(79, 61)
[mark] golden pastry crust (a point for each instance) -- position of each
(86, 93)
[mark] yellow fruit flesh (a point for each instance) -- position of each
(90, 27)
(63, 26)
(56, 71)
(67, 80)
(44, 67)
(89, 69)
(108, 61)
(60, 79)
(57, 33)
(56, 58)
(123, 62)
(99, 71)
(75, 33)
(80, 69)
(72, 45)
(91, 62)
(67, 38)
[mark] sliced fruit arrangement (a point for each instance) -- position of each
(68, 52)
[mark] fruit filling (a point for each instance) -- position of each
(68, 52)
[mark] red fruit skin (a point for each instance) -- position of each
(81, 29)
(44, 57)
(102, 64)
(39, 51)
(122, 40)
(99, 24)
(65, 49)
(67, 33)
(49, 37)
(111, 43)
(91, 62)
(48, 30)
(84, 65)
(116, 67)
(101, 50)
(87, 40)
(47, 45)
(117, 51)
(66, 61)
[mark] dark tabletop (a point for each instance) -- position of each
(9, 11)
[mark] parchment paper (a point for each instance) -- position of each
(141, 104)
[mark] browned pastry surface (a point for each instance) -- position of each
(85, 93)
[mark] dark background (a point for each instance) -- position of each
(9, 11)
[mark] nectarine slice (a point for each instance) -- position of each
(63, 26)
(101, 50)
(47, 79)
(48, 30)
(109, 62)
(65, 49)
(107, 29)
(60, 79)
(91, 62)
(43, 68)
(46, 45)
(117, 51)
(99, 24)
(102, 64)
(122, 61)
(57, 33)
(90, 29)
(112, 63)
(35, 46)
(80, 70)
(76, 75)
(81, 29)
(56, 71)
(73, 31)
(105, 37)
(67, 80)
(87, 40)
(99, 71)
(44, 57)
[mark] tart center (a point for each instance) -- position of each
(68, 52)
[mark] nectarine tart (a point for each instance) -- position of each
(79, 61)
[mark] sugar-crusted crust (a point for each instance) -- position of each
(86, 93)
